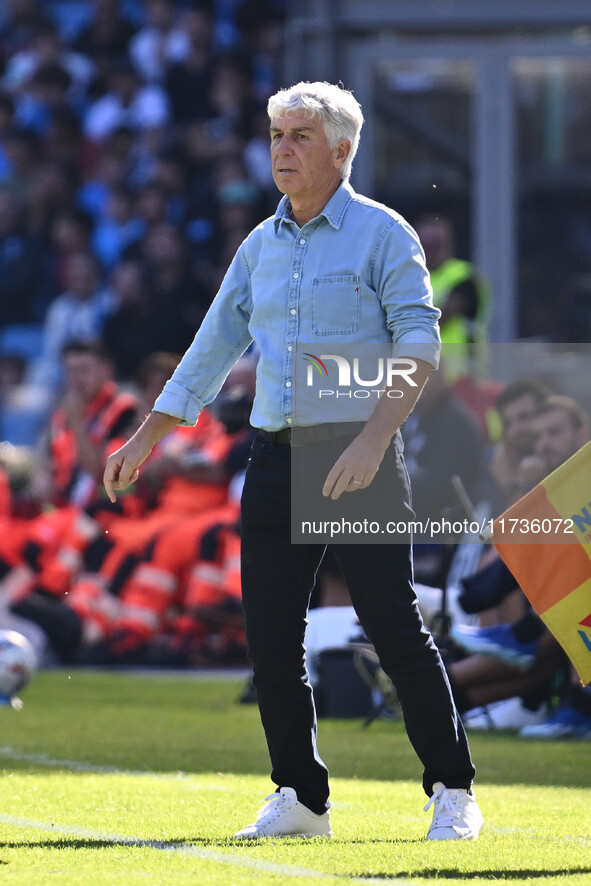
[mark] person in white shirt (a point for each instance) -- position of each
(128, 103)
(160, 43)
(79, 313)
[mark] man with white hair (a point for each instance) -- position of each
(329, 266)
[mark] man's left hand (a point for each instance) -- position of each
(354, 469)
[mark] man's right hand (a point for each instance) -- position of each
(122, 468)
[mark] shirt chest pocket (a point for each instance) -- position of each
(335, 305)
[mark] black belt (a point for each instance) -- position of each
(313, 433)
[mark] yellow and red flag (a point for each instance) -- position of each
(545, 540)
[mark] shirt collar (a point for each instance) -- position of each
(333, 211)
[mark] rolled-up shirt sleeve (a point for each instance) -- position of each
(220, 341)
(402, 282)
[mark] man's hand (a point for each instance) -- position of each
(359, 463)
(122, 468)
(355, 468)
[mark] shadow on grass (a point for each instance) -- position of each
(183, 843)
(455, 874)
(171, 845)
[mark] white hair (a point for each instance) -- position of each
(337, 108)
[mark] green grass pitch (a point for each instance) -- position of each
(126, 778)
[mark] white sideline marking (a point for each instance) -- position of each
(194, 851)
(78, 766)
(241, 861)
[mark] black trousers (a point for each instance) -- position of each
(277, 578)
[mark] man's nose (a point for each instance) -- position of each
(284, 145)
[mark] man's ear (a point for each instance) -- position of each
(341, 153)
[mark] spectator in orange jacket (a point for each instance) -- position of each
(92, 412)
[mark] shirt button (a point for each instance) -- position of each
(288, 384)
(289, 421)
(292, 311)
(290, 347)
(296, 275)
(302, 242)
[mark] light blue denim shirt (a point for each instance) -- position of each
(354, 274)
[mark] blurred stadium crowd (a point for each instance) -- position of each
(133, 161)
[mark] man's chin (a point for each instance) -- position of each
(283, 179)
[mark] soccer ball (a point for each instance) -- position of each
(17, 665)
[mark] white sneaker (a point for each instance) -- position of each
(283, 815)
(456, 815)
